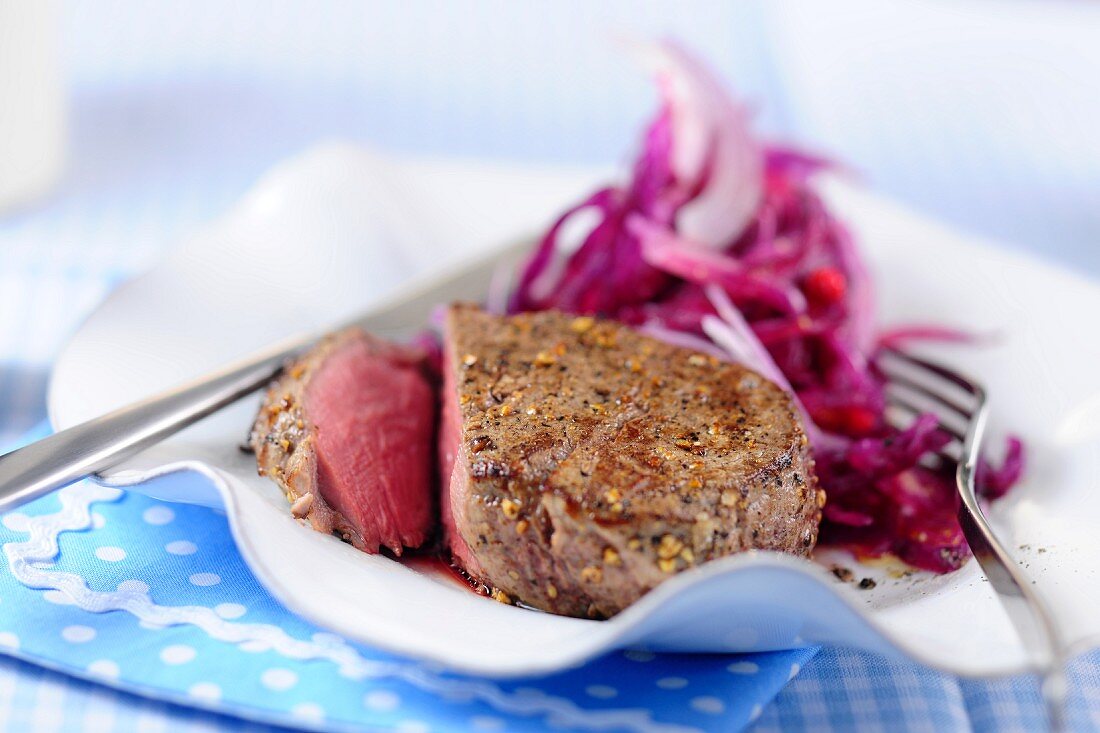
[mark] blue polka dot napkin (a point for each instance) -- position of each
(155, 599)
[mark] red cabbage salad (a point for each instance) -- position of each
(720, 243)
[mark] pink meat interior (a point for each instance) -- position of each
(373, 415)
(453, 475)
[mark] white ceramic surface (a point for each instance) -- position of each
(336, 228)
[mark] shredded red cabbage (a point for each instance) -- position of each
(717, 242)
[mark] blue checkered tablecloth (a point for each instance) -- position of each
(177, 108)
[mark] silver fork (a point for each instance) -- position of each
(916, 385)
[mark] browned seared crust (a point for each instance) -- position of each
(602, 461)
(283, 441)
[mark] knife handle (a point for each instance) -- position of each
(105, 441)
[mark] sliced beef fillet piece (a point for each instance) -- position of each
(348, 432)
(584, 463)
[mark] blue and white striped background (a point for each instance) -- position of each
(982, 113)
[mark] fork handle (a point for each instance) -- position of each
(103, 442)
(1026, 609)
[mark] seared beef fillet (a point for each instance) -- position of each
(587, 463)
(347, 432)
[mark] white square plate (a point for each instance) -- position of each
(332, 231)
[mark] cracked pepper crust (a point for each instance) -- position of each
(599, 462)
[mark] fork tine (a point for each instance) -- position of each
(950, 454)
(939, 395)
(1026, 610)
(950, 375)
(953, 423)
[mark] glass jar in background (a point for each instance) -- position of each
(32, 107)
